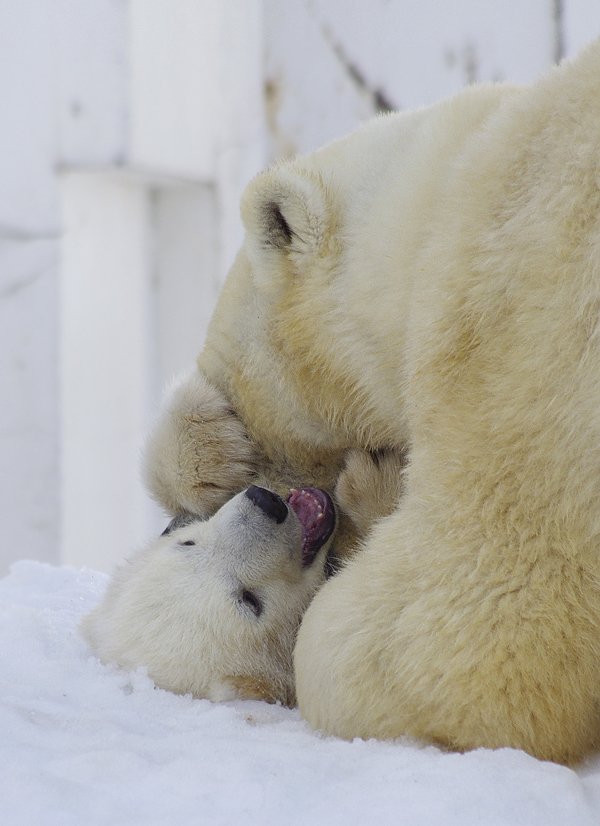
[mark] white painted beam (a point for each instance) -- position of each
(105, 374)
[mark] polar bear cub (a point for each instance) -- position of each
(212, 608)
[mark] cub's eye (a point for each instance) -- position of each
(188, 542)
(253, 603)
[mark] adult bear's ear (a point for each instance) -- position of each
(289, 220)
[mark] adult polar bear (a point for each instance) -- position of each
(430, 281)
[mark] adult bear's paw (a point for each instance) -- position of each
(370, 486)
(198, 454)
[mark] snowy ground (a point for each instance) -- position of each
(86, 744)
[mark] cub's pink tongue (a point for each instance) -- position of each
(316, 515)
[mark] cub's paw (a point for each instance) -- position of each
(370, 486)
(198, 454)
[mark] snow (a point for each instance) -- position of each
(85, 743)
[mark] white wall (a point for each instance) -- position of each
(130, 128)
(29, 231)
(331, 63)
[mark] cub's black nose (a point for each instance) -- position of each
(268, 502)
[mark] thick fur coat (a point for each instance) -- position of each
(430, 286)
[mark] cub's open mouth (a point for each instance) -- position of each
(316, 514)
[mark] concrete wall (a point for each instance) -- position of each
(130, 128)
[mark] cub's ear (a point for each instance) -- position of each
(288, 216)
(179, 521)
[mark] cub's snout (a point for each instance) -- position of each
(269, 502)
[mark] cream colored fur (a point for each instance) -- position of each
(199, 455)
(431, 285)
(180, 607)
(370, 486)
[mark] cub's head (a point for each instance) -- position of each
(212, 608)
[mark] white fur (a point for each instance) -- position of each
(431, 285)
(179, 609)
(199, 455)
